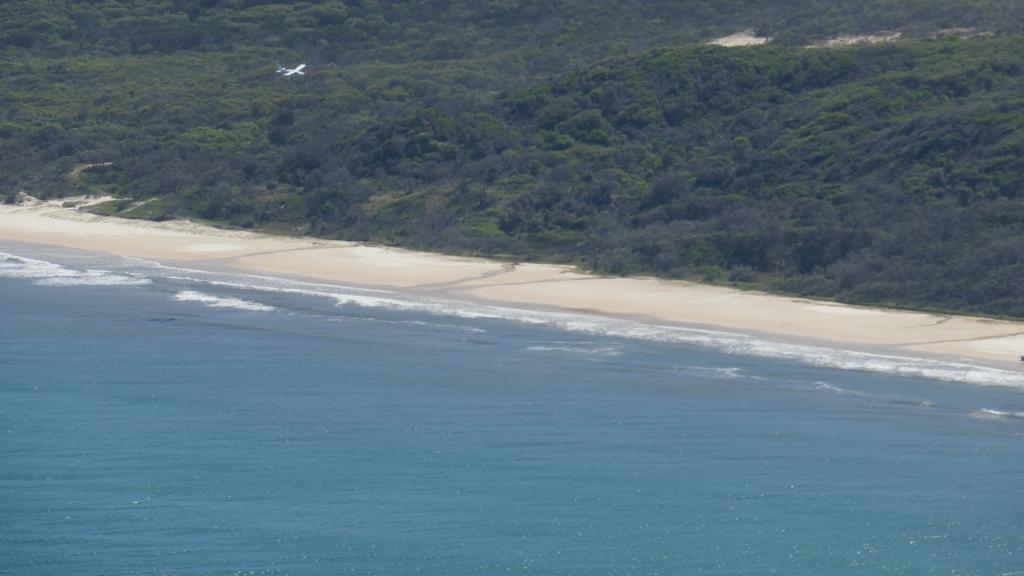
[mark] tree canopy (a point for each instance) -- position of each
(602, 134)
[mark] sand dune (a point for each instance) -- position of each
(744, 38)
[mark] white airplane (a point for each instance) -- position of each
(290, 71)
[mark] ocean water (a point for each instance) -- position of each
(161, 420)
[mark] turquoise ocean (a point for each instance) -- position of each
(165, 420)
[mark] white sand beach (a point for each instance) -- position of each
(524, 285)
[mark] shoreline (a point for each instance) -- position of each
(525, 285)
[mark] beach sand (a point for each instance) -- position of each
(523, 285)
(744, 38)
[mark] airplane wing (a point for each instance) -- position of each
(289, 72)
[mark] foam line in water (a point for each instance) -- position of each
(816, 355)
(990, 414)
(582, 348)
(51, 274)
(825, 386)
(736, 343)
(727, 341)
(94, 278)
(431, 306)
(343, 296)
(885, 398)
(719, 372)
(221, 302)
(731, 342)
(255, 281)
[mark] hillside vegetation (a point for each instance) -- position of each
(603, 134)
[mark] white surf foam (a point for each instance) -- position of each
(989, 414)
(826, 387)
(345, 296)
(735, 343)
(221, 302)
(716, 372)
(418, 323)
(726, 372)
(578, 348)
(429, 306)
(872, 397)
(258, 282)
(52, 274)
(95, 278)
(730, 342)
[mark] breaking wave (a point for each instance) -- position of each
(719, 372)
(826, 387)
(989, 414)
(730, 342)
(48, 273)
(221, 301)
(582, 348)
(51, 274)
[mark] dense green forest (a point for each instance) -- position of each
(604, 134)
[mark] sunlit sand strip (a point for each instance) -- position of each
(744, 38)
(838, 41)
(529, 285)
